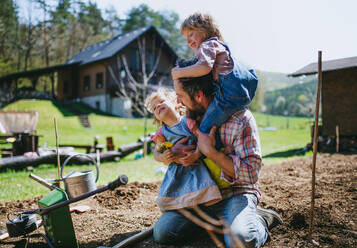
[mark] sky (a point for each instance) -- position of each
(271, 35)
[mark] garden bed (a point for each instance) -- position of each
(286, 188)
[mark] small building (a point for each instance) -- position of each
(338, 102)
(97, 75)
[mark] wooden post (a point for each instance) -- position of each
(315, 143)
(58, 157)
(337, 138)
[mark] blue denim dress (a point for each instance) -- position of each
(233, 92)
(185, 186)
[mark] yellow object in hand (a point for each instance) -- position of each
(215, 171)
(161, 147)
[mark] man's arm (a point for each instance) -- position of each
(238, 167)
(206, 144)
(180, 149)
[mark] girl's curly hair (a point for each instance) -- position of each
(202, 22)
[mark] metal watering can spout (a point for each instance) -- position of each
(78, 183)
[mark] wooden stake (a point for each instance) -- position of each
(58, 157)
(315, 143)
(337, 138)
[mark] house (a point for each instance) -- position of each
(338, 100)
(97, 74)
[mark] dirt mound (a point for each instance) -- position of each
(116, 215)
(124, 196)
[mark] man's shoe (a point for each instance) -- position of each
(271, 218)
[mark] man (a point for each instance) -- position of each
(240, 166)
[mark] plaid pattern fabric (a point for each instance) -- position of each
(241, 142)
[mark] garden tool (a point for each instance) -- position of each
(55, 213)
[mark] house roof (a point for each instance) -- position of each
(32, 73)
(111, 47)
(330, 65)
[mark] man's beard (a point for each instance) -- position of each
(197, 113)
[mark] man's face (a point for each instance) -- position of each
(194, 108)
(182, 96)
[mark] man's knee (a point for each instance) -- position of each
(170, 228)
(250, 235)
(163, 234)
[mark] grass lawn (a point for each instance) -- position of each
(277, 146)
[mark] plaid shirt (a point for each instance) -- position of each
(240, 138)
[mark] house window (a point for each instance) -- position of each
(134, 62)
(97, 105)
(86, 83)
(65, 87)
(99, 80)
(150, 60)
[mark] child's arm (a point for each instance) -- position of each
(166, 157)
(195, 70)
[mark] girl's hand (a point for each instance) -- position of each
(168, 157)
(175, 73)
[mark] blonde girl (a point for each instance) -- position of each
(182, 186)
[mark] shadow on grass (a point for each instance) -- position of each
(76, 108)
(287, 153)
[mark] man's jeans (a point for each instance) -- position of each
(238, 211)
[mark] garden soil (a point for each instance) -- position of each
(116, 215)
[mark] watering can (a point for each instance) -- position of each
(78, 183)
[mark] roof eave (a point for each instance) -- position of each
(297, 73)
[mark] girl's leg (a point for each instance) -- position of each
(217, 113)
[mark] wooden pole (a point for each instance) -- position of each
(58, 157)
(337, 138)
(315, 143)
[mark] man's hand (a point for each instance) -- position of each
(190, 158)
(206, 142)
(167, 157)
(180, 149)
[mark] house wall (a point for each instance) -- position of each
(65, 81)
(165, 64)
(97, 102)
(118, 106)
(339, 102)
(91, 70)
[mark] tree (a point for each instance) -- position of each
(112, 21)
(136, 88)
(166, 22)
(8, 32)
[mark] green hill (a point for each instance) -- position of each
(276, 80)
(297, 100)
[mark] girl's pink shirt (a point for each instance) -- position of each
(213, 54)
